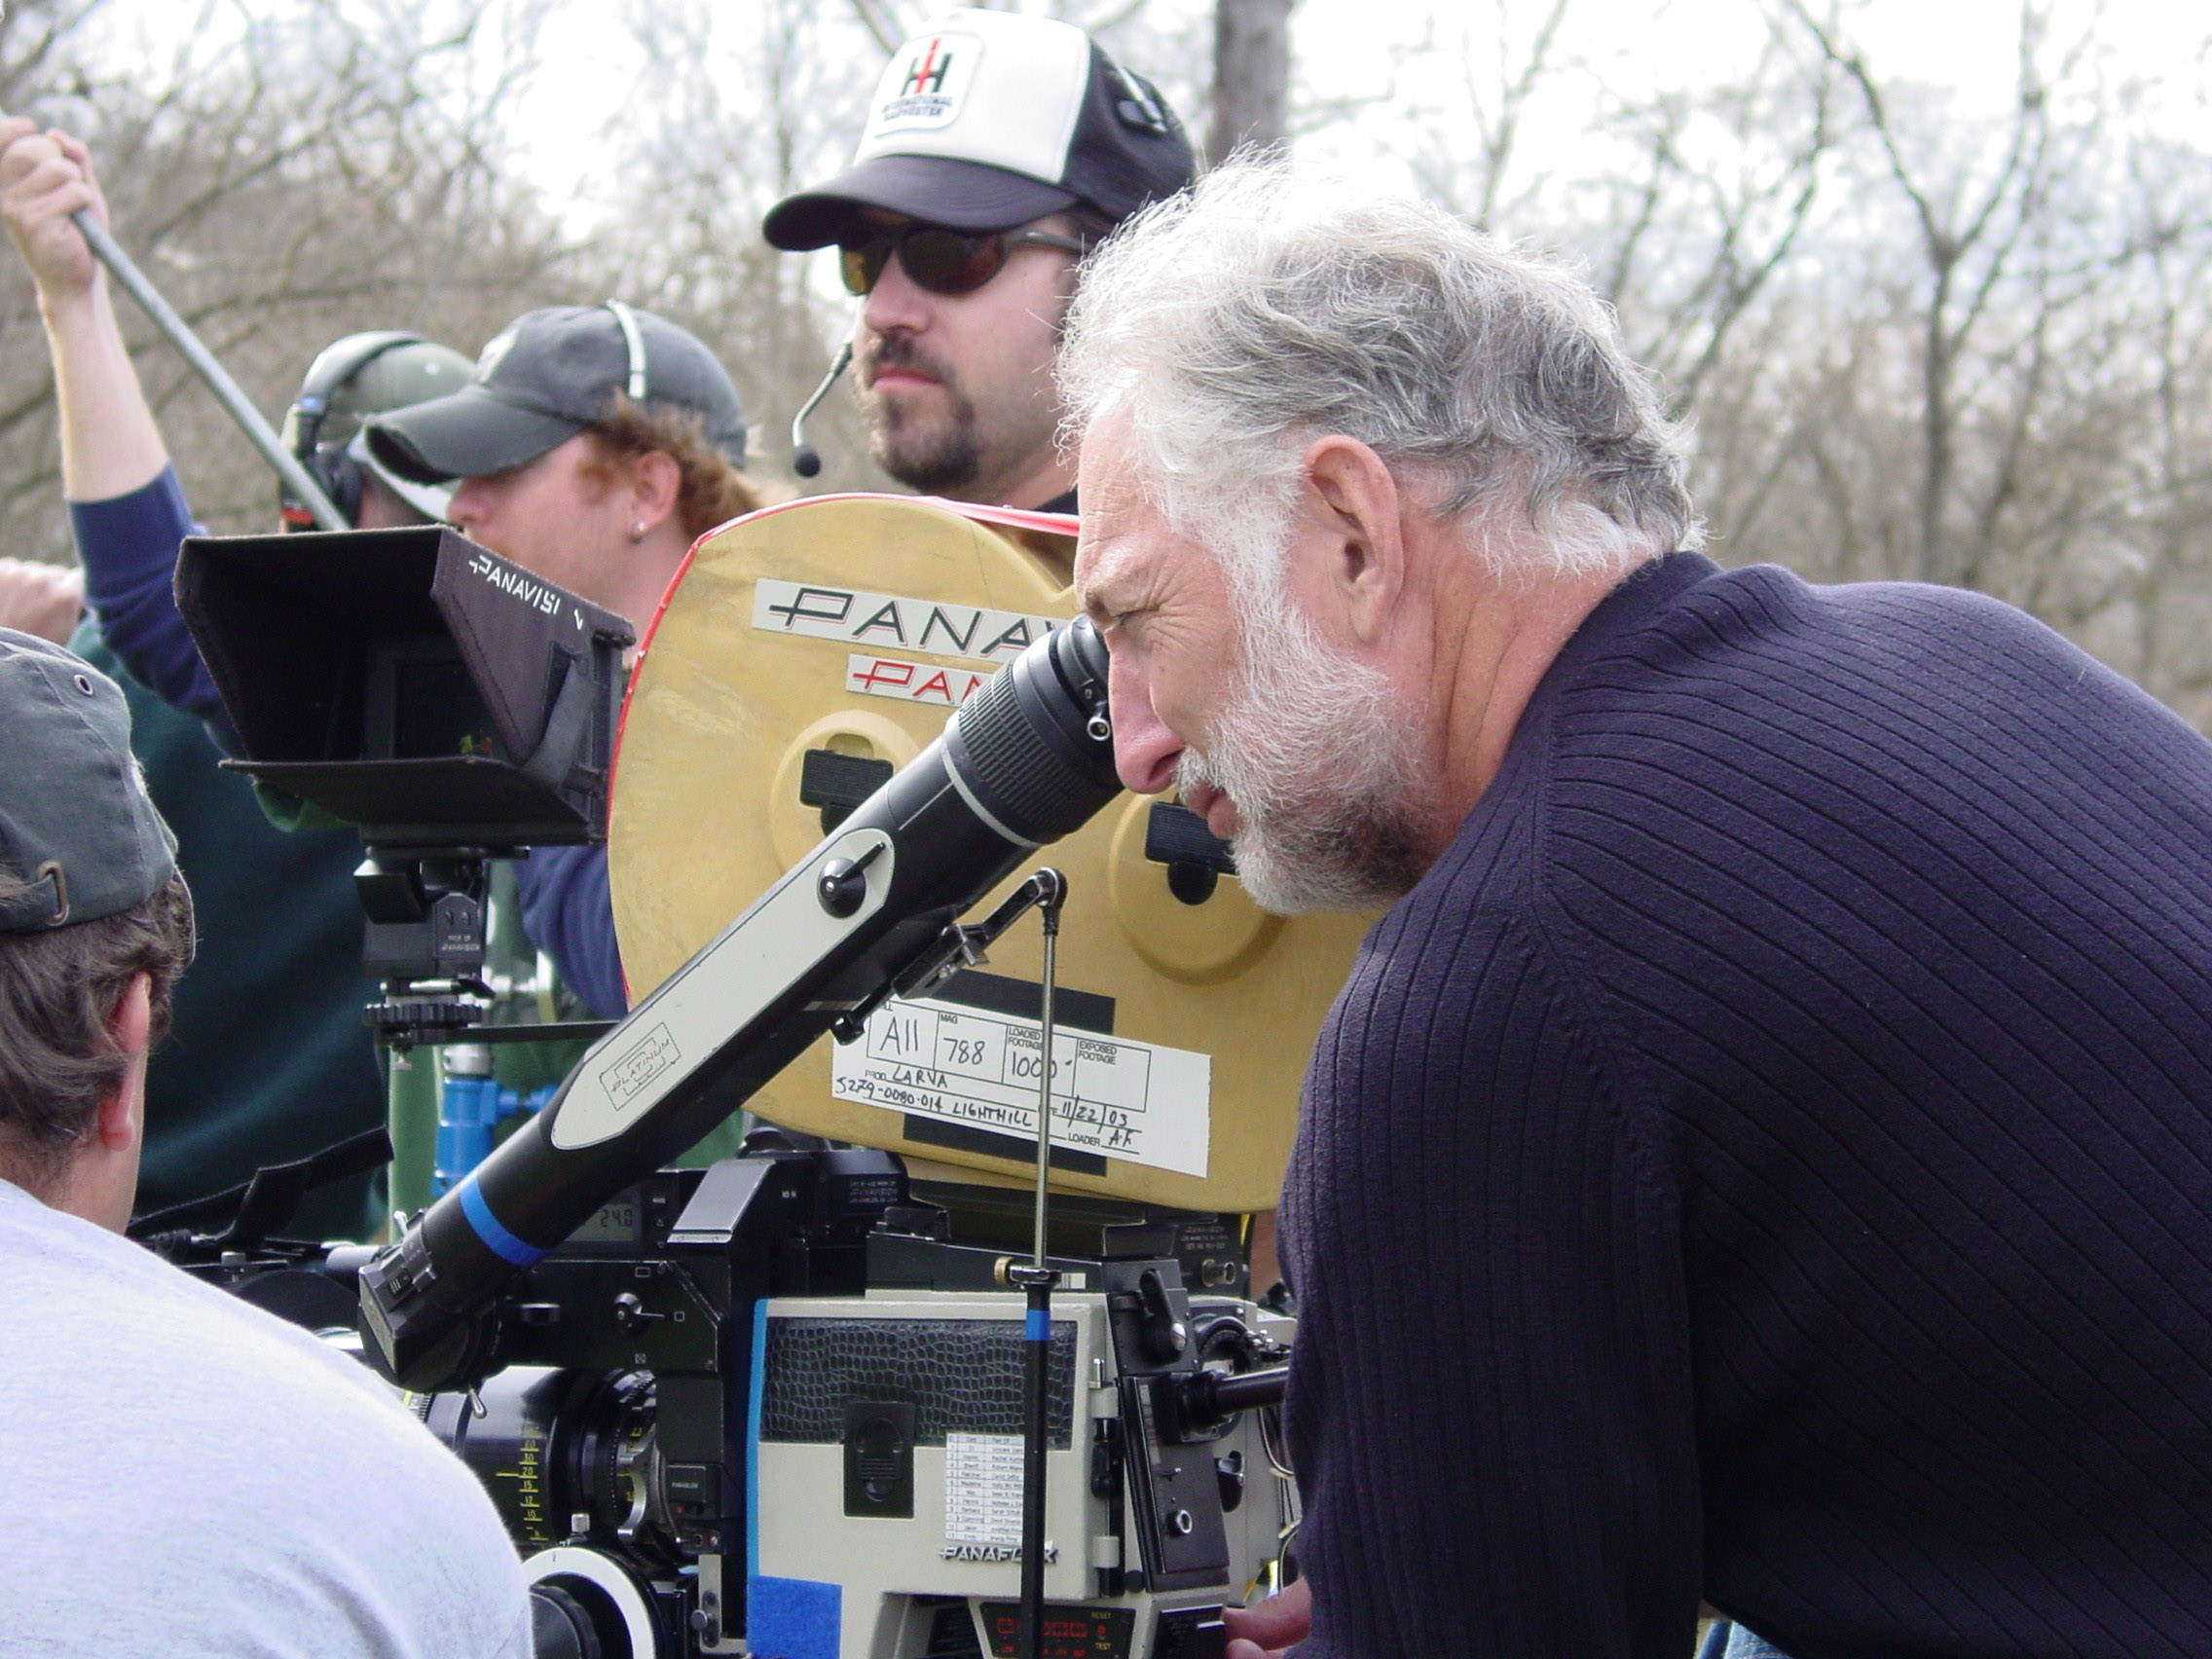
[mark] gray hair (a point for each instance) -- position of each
(1228, 326)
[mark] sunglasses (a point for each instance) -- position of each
(941, 261)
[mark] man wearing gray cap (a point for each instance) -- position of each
(592, 446)
(999, 148)
(184, 1473)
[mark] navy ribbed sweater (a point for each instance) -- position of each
(1770, 1157)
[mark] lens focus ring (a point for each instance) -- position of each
(1022, 745)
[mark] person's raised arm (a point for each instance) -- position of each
(110, 445)
(126, 509)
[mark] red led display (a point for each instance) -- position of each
(1070, 1632)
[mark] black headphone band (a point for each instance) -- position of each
(326, 376)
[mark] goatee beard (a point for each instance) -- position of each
(923, 453)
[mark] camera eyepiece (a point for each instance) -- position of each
(1032, 752)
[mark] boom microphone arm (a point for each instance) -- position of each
(870, 912)
(806, 460)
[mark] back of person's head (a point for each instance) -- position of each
(350, 383)
(635, 380)
(1223, 330)
(89, 899)
(989, 120)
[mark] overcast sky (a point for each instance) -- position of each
(1366, 50)
(1399, 66)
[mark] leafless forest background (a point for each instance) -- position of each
(1912, 339)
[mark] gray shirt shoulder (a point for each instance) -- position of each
(184, 1475)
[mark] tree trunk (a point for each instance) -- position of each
(1251, 75)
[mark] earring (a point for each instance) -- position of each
(638, 531)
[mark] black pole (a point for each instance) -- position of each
(240, 407)
(1037, 1278)
(1036, 1350)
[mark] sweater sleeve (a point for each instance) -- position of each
(566, 911)
(128, 545)
(1490, 1409)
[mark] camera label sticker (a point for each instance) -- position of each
(1112, 1096)
(637, 1066)
(904, 681)
(982, 1490)
(884, 622)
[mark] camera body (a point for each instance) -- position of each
(773, 1407)
(785, 1406)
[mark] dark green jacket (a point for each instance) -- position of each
(268, 1059)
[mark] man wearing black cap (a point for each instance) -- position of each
(999, 148)
(593, 445)
(184, 1473)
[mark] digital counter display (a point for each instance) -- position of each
(614, 1223)
(1070, 1632)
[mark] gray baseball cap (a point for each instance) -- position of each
(546, 377)
(75, 824)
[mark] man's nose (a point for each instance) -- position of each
(465, 506)
(1145, 748)
(897, 304)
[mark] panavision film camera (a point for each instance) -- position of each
(801, 1402)
(771, 1408)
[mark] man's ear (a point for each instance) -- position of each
(1359, 507)
(131, 1026)
(656, 483)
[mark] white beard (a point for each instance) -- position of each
(1318, 760)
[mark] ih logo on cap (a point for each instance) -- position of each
(924, 86)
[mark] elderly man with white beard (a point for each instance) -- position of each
(1762, 1155)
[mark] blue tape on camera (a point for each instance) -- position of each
(1037, 1326)
(502, 1243)
(794, 1618)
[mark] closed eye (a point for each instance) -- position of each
(1123, 622)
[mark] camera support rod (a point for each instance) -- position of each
(1050, 889)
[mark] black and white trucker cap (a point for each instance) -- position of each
(990, 119)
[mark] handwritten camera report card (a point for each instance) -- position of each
(977, 1069)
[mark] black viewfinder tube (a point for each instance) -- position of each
(1026, 760)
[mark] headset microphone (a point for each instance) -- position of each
(806, 460)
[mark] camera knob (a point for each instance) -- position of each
(632, 1314)
(842, 887)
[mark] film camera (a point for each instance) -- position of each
(775, 1406)
(772, 1407)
